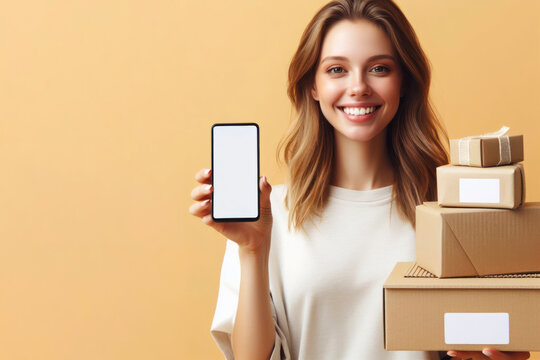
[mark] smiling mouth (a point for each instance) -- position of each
(358, 111)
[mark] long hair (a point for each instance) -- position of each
(414, 136)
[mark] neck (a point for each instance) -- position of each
(361, 165)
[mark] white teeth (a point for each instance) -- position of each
(358, 110)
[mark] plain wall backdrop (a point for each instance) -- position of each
(105, 116)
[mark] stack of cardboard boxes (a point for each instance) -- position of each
(475, 282)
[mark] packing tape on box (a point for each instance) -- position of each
(504, 146)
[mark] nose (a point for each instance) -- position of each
(359, 86)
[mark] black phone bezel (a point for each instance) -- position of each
(258, 173)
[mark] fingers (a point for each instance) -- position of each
(202, 192)
(475, 355)
(201, 208)
(264, 184)
(499, 355)
(207, 219)
(266, 189)
(204, 176)
(523, 355)
(489, 353)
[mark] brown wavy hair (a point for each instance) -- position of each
(416, 139)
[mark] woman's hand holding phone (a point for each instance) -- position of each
(252, 237)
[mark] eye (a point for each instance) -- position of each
(379, 69)
(336, 70)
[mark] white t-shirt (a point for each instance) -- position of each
(326, 286)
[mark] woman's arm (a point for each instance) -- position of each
(253, 334)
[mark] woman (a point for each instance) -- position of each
(304, 282)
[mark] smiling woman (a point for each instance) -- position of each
(361, 154)
(358, 92)
(354, 55)
(304, 282)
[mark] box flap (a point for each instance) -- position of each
(492, 229)
(461, 264)
(494, 241)
(398, 280)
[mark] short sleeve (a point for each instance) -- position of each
(227, 302)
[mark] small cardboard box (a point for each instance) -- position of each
(484, 152)
(496, 187)
(459, 242)
(431, 314)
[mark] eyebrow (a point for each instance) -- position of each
(375, 57)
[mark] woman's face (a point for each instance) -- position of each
(358, 79)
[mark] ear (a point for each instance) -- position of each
(314, 93)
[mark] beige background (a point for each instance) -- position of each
(105, 115)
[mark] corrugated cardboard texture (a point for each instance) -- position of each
(511, 178)
(416, 271)
(485, 152)
(414, 309)
(460, 242)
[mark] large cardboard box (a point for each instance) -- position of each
(458, 242)
(485, 152)
(430, 314)
(495, 187)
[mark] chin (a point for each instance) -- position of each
(359, 134)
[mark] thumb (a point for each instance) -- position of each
(266, 189)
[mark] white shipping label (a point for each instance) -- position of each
(479, 191)
(477, 328)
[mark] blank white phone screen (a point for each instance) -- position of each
(235, 171)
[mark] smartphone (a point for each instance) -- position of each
(235, 172)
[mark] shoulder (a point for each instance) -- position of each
(278, 190)
(277, 200)
(277, 196)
